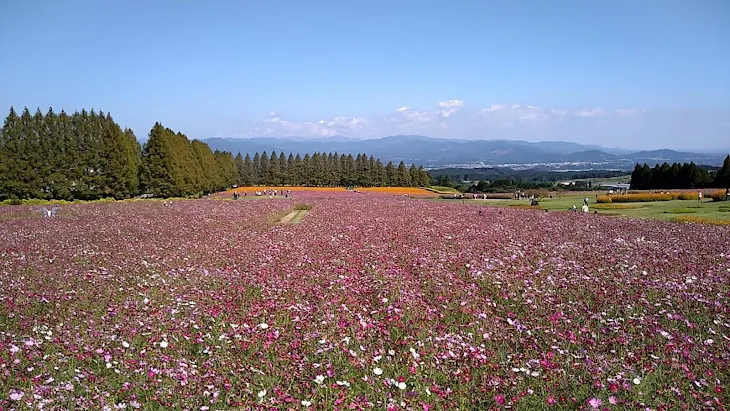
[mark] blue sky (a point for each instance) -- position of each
(639, 74)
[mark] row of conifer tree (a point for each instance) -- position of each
(87, 155)
(679, 176)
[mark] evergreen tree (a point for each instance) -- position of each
(297, 173)
(256, 166)
(425, 180)
(637, 182)
(404, 178)
(156, 170)
(226, 169)
(240, 169)
(415, 176)
(247, 176)
(10, 161)
(283, 169)
(307, 171)
(274, 174)
(264, 176)
(381, 177)
(212, 178)
(722, 178)
(391, 175)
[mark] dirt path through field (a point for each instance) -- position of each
(294, 217)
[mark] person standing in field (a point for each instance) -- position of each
(699, 197)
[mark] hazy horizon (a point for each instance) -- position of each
(636, 76)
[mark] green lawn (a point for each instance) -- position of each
(659, 210)
(442, 190)
(606, 180)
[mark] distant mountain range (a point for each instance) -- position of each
(439, 152)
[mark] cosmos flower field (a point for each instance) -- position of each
(373, 301)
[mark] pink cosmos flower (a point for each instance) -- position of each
(595, 402)
(499, 399)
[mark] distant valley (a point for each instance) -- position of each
(439, 153)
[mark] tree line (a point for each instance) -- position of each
(87, 155)
(326, 169)
(679, 176)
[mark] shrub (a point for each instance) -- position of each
(637, 198)
(724, 209)
(303, 207)
(687, 196)
(718, 195)
(604, 199)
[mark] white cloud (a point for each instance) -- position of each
(505, 115)
(453, 118)
(275, 126)
(413, 117)
(595, 112)
(451, 103)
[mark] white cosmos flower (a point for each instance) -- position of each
(401, 386)
(263, 326)
(319, 379)
(163, 344)
(637, 380)
(378, 371)
(262, 393)
(125, 344)
(306, 403)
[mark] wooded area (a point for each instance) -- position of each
(679, 176)
(88, 156)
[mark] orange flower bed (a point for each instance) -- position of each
(414, 191)
(253, 189)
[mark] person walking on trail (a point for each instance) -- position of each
(585, 208)
(727, 194)
(585, 201)
(699, 197)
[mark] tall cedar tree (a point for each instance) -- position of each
(722, 178)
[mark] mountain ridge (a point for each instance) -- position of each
(434, 152)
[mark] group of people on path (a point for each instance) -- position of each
(266, 192)
(584, 207)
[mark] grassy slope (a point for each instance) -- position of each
(653, 210)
